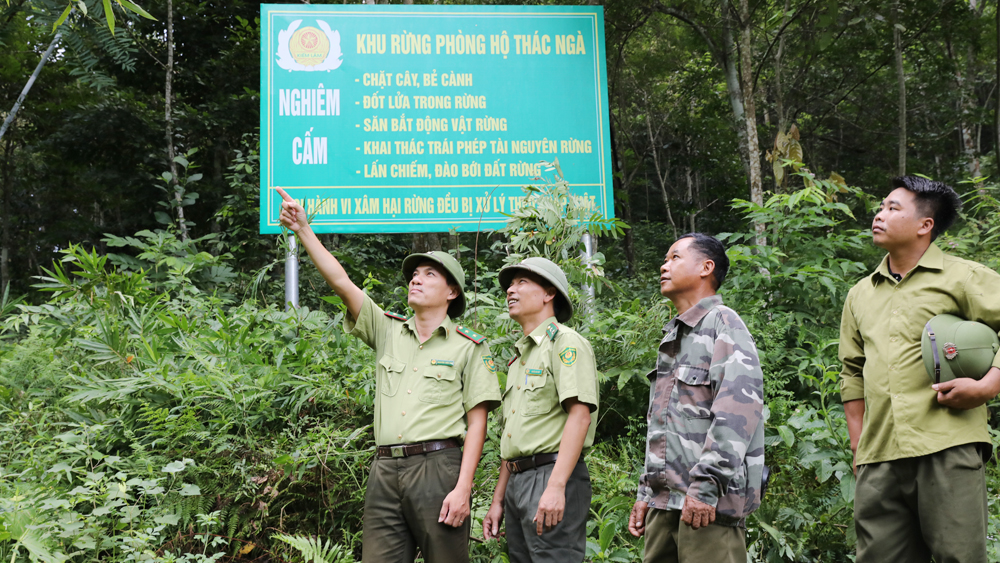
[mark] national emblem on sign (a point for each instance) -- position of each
(309, 48)
(950, 351)
(568, 356)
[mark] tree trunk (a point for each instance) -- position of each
(779, 95)
(182, 225)
(661, 174)
(967, 95)
(996, 113)
(5, 218)
(901, 83)
(750, 117)
(621, 183)
(731, 71)
(423, 242)
(455, 241)
(27, 87)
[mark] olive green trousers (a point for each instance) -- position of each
(668, 540)
(566, 542)
(909, 510)
(402, 504)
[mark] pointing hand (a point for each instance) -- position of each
(292, 216)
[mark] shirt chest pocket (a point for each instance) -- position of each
(692, 395)
(540, 395)
(440, 385)
(389, 373)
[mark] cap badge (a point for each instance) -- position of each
(950, 351)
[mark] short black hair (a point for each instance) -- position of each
(936, 200)
(710, 247)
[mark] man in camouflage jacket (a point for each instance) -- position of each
(705, 442)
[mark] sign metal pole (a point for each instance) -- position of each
(588, 256)
(292, 275)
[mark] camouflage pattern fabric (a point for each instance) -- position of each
(706, 431)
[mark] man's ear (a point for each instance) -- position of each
(926, 226)
(454, 292)
(707, 268)
(550, 294)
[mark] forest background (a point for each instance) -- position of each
(157, 401)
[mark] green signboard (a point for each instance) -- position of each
(429, 118)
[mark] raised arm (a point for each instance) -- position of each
(293, 217)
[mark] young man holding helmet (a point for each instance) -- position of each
(919, 439)
(435, 383)
(550, 414)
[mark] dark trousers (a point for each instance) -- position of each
(566, 542)
(402, 504)
(668, 540)
(909, 510)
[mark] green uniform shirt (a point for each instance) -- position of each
(424, 390)
(554, 363)
(880, 334)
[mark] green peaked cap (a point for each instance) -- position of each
(954, 347)
(450, 265)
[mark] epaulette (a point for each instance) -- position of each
(552, 331)
(395, 316)
(512, 360)
(470, 334)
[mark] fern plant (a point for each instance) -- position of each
(315, 551)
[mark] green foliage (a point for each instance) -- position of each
(153, 367)
(148, 412)
(315, 551)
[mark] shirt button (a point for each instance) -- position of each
(518, 386)
(414, 369)
(523, 362)
(404, 413)
(893, 339)
(400, 436)
(895, 311)
(421, 346)
(508, 434)
(512, 411)
(439, 376)
(409, 390)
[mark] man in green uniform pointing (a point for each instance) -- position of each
(435, 383)
(550, 414)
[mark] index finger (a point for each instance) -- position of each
(284, 195)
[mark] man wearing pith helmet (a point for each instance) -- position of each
(435, 383)
(550, 415)
(919, 439)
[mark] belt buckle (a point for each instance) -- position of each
(396, 451)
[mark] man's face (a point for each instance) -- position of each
(429, 287)
(681, 270)
(526, 297)
(899, 220)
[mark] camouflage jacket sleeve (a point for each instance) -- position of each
(645, 492)
(737, 410)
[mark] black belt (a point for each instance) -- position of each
(406, 450)
(531, 462)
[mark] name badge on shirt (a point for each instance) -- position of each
(449, 363)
